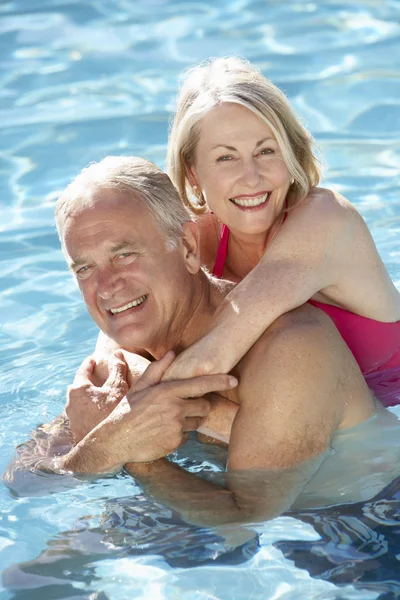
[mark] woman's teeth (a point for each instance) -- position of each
(247, 202)
(136, 302)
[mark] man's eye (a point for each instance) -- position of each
(127, 256)
(83, 272)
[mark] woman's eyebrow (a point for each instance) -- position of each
(266, 139)
(233, 149)
(224, 146)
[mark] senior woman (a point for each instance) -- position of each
(244, 165)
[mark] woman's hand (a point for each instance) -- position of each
(207, 356)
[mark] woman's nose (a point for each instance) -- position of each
(251, 173)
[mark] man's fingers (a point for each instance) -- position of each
(199, 386)
(196, 407)
(85, 371)
(192, 424)
(154, 372)
(118, 371)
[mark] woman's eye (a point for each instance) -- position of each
(224, 158)
(266, 151)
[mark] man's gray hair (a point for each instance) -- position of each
(135, 177)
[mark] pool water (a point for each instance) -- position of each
(82, 79)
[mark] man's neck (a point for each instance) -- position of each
(194, 315)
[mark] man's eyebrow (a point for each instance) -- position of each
(117, 248)
(233, 149)
(122, 245)
(72, 264)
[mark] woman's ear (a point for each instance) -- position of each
(191, 247)
(191, 176)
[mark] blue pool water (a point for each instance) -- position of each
(81, 79)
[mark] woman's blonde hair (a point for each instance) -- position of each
(234, 80)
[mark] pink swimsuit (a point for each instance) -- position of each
(374, 344)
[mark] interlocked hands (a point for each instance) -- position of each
(149, 421)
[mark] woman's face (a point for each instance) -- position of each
(240, 170)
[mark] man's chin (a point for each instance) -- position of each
(130, 340)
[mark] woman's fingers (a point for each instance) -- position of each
(199, 386)
(154, 372)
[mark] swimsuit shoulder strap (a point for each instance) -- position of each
(222, 251)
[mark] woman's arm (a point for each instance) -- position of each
(323, 245)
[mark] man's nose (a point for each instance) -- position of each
(251, 172)
(109, 282)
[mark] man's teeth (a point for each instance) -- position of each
(251, 201)
(136, 302)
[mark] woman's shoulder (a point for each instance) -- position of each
(322, 205)
(209, 228)
(320, 198)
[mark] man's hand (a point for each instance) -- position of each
(150, 422)
(87, 404)
(161, 414)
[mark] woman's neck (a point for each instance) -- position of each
(244, 253)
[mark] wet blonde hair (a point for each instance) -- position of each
(135, 177)
(234, 80)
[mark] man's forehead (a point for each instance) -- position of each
(113, 205)
(112, 220)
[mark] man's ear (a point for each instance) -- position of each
(191, 247)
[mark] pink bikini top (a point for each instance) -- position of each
(375, 345)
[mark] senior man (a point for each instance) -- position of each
(135, 254)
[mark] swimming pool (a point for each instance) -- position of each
(80, 80)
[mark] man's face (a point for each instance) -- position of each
(131, 283)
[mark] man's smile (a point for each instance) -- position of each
(131, 304)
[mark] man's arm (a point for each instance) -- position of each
(87, 405)
(293, 396)
(238, 497)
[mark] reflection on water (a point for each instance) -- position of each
(358, 543)
(363, 460)
(353, 543)
(133, 527)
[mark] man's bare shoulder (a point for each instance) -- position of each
(303, 328)
(300, 354)
(288, 393)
